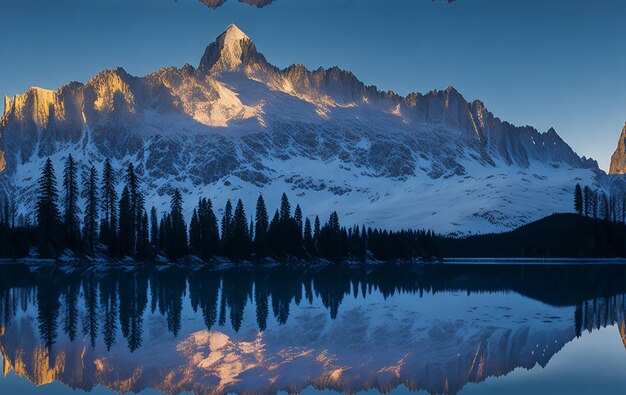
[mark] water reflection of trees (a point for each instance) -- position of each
(105, 304)
(599, 313)
(108, 308)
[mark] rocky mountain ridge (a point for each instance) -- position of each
(618, 159)
(237, 125)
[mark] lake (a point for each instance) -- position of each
(428, 329)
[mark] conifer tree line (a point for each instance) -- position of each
(85, 215)
(597, 204)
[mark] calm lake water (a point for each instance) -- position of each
(393, 328)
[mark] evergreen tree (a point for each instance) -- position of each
(143, 240)
(316, 230)
(209, 229)
(154, 227)
(604, 207)
(297, 216)
(594, 203)
(285, 208)
(360, 250)
(136, 204)
(240, 240)
(333, 222)
(177, 239)
(586, 201)
(260, 228)
(227, 220)
(90, 191)
(613, 207)
(195, 233)
(13, 211)
(71, 221)
(330, 241)
(109, 202)
(288, 240)
(47, 211)
(578, 199)
(308, 237)
(365, 236)
(162, 233)
(623, 206)
(273, 236)
(125, 228)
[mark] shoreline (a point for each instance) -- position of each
(224, 263)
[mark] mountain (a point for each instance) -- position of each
(237, 125)
(557, 235)
(618, 159)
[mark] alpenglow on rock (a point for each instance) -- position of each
(618, 159)
(236, 126)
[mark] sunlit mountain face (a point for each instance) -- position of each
(261, 330)
(234, 125)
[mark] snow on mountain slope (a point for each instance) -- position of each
(236, 126)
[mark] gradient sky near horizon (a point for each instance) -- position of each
(559, 63)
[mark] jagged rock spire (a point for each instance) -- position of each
(618, 159)
(230, 51)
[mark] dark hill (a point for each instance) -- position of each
(555, 236)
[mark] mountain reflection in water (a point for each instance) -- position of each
(260, 330)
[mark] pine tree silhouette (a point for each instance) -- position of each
(578, 199)
(109, 202)
(71, 222)
(126, 230)
(90, 227)
(209, 229)
(48, 216)
(154, 228)
(261, 228)
(240, 236)
(195, 234)
(178, 236)
(227, 226)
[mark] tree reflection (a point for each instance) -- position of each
(90, 321)
(204, 293)
(168, 288)
(114, 302)
(108, 308)
(70, 319)
(133, 295)
(48, 307)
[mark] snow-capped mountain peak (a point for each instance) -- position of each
(229, 52)
(233, 33)
(238, 125)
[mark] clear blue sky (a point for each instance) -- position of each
(545, 63)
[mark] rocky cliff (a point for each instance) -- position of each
(236, 126)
